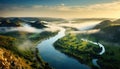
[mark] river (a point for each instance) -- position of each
(55, 58)
(94, 61)
(59, 60)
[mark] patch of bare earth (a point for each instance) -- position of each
(10, 61)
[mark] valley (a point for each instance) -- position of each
(48, 43)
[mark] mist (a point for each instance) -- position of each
(24, 28)
(81, 26)
(27, 44)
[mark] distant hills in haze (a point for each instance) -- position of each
(109, 30)
(18, 22)
(80, 20)
(32, 21)
(6, 22)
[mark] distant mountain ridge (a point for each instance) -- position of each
(18, 22)
(6, 22)
(37, 24)
(107, 23)
(109, 31)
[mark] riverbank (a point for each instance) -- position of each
(82, 50)
(110, 59)
(55, 58)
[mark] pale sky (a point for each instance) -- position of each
(60, 8)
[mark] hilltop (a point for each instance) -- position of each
(109, 31)
(19, 22)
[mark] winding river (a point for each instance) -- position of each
(55, 58)
(94, 61)
(59, 60)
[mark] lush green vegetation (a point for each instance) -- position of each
(82, 50)
(12, 40)
(37, 24)
(7, 22)
(109, 34)
(33, 37)
(8, 43)
(19, 22)
(109, 37)
(111, 58)
(109, 31)
(43, 35)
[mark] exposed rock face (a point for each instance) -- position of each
(10, 61)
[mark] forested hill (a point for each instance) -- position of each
(109, 30)
(19, 22)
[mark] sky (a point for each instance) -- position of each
(60, 8)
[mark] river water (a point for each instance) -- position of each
(94, 61)
(57, 59)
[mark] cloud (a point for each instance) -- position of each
(96, 10)
(62, 4)
(108, 6)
